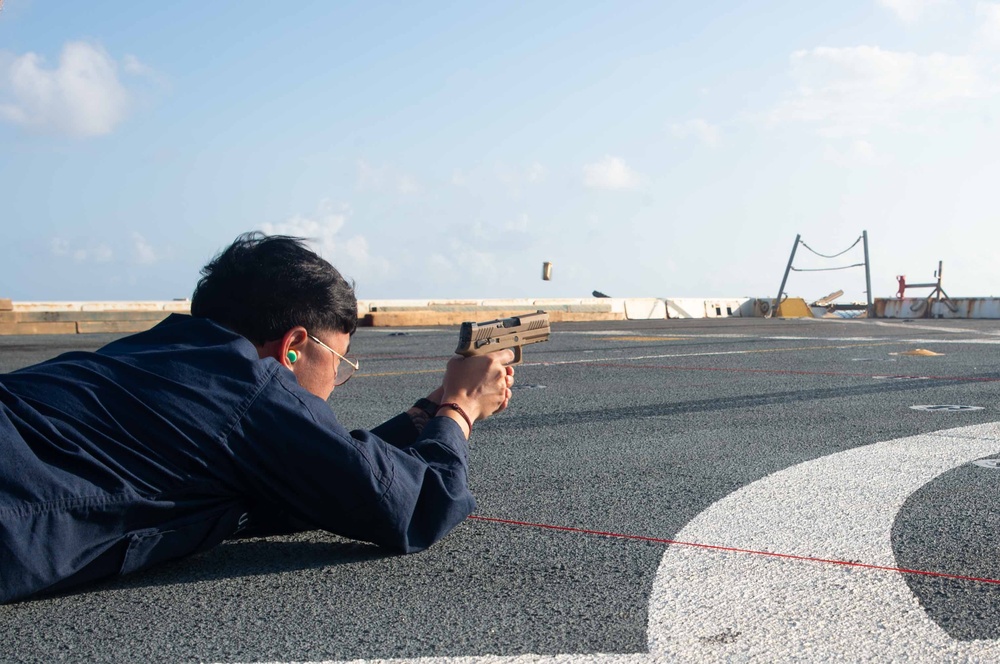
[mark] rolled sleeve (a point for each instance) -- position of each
(399, 431)
(292, 452)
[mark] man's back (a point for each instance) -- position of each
(166, 443)
(130, 439)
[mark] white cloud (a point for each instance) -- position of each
(610, 173)
(408, 185)
(60, 247)
(707, 133)
(850, 91)
(81, 97)
(101, 253)
(142, 251)
(513, 178)
(910, 10)
(517, 225)
(132, 65)
(369, 177)
(90, 252)
(474, 266)
(137, 251)
(536, 173)
(516, 178)
(356, 248)
(856, 153)
(322, 231)
(989, 27)
(384, 178)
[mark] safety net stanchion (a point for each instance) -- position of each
(863, 238)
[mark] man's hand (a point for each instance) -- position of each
(480, 385)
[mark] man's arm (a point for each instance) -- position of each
(403, 429)
(292, 454)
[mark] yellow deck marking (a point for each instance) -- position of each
(640, 339)
(777, 350)
(397, 373)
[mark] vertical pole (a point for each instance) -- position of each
(868, 277)
(781, 289)
(938, 290)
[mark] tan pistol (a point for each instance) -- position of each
(513, 332)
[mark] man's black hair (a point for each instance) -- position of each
(261, 286)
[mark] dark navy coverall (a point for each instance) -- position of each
(167, 442)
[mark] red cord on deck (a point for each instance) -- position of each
(658, 540)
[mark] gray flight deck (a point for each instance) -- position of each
(671, 490)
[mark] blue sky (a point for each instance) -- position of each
(447, 150)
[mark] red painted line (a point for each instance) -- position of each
(716, 547)
(984, 379)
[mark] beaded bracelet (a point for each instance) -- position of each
(454, 406)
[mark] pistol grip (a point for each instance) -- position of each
(517, 356)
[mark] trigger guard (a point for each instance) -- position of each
(517, 355)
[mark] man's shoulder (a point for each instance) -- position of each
(179, 331)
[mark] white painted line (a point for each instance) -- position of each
(936, 328)
(945, 408)
(666, 355)
(909, 326)
(590, 658)
(901, 377)
(795, 337)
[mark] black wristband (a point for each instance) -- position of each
(427, 406)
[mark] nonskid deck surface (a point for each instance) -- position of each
(658, 491)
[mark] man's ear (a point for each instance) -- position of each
(287, 350)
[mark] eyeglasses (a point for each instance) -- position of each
(342, 375)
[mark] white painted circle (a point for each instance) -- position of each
(839, 507)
